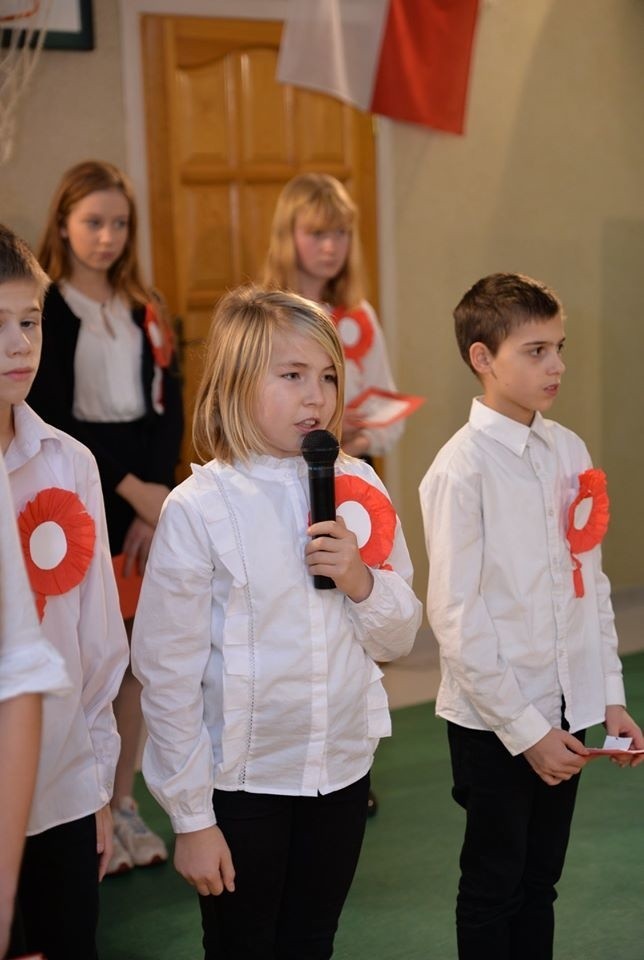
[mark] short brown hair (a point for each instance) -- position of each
(497, 305)
(238, 352)
(17, 262)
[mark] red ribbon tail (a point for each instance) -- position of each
(41, 600)
(577, 577)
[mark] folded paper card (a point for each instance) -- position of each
(378, 408)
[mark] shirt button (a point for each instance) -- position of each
(551, 513)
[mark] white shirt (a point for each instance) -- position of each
(513, 636)
(372, 370)
(107, 364)
(80, 745)
(253, 679)
(28, 663)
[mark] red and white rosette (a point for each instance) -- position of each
(159, 339)
(370, 515)
(355, 330)
(588, 517)
(57, 535)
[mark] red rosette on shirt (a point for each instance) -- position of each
(592, 486)
(355, 330)
(370, 515)
(57, 535)
(160, 341)
(158, 337)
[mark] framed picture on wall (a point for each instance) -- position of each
(69, 24)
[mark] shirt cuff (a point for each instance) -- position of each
(35, 667)
(615, 693)
(189, 824)
(520, 734)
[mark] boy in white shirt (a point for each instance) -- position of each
(29, 667)
(523, 618)
(57, 500)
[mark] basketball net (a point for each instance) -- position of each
(22, 34)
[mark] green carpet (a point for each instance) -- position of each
(401, 905)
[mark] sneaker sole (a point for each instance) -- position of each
(122, 868)
(154, 862)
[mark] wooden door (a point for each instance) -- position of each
(223, 137)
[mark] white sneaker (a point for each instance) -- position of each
(120, 861)
(143, 846)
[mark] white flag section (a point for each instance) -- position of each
(333, 46)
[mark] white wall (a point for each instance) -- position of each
(72, 111)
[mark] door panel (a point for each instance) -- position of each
(223, 138)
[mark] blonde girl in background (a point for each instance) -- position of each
(108, 378)
(315, 251)
(262, 696)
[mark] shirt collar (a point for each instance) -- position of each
(510, 433)
(30, 433)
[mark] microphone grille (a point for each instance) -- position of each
(320, 446)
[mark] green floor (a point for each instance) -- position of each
(401, 903)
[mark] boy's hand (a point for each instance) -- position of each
(333, 552)
(104, 838)
(203, 859)
(619, 724)
(557, 756)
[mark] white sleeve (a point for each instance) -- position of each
(28, 662)
(376, 372)
(102, 639)
(612, 666)
(170, 650)
(386, 623)
(458, 615)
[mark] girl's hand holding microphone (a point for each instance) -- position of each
(333, 552)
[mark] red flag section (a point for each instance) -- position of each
(424, 66)
(405, 59)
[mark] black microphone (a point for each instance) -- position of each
(320, 450)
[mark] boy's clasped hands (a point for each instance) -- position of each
(560, 755)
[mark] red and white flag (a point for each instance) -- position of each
(405, 59)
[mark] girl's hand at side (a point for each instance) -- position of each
(354, 441)
(146, 499)
(104, 838)
(333, 552)
(136, 546)
(203, 859)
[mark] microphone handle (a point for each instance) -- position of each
(322, 495)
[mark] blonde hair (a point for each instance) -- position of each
(238, 352)
(323, 203)
(53, 253)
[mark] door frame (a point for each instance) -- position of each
(136, 155)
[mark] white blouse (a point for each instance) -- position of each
(372, 370)
(514, 638)
(253, 679)
(80, 744)
(107, 364)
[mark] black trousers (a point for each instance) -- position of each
(294, 860)
(57, 902)
(516, 835)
